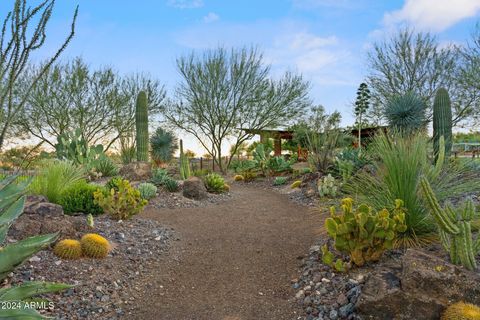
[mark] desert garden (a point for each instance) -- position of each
(105, 214)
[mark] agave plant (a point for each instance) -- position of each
(406, 113)
(164, 144)
(12, 200)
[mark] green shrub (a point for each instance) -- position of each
(105, 166)
(159, 176)
(147, 190)
(363, 233)
(120, 204)
(279, 181)
(170, 184)
(54, 178)
(400, 162)
(79, 198)
(113, 183)
(201, 172)
(214, 183)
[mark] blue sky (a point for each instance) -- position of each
(326, 40)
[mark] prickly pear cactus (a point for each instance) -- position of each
(327, 187)
(362, 233)
(73, 146)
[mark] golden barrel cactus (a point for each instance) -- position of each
(238, 177)
(461, 311)
(95, 246)
(68, 249)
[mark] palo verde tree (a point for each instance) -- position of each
(224, 91)
(23, 32)
(414, 62)
(361, 106)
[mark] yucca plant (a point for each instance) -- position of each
(406, 113)
(401, 161)
(12, 200)
(163, 144)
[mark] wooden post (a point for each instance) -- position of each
(201, 163)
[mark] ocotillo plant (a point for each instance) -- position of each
(184, 164)
(455, 228)
(442, 122)
(141, 125)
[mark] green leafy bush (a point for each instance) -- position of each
(147, 190)
(279, 181)
(214, 183)
(54, 178)
(363, 233)
(79, 198)
(120, 204)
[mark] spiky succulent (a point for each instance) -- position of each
(163, 145)
(95, 246)
(214, 183)
(147, 190)
(68, 249)
(406, 113)
(461, 311)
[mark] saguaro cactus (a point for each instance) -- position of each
(442, 122)
(184, 164)
(141, 125)
(455, 228)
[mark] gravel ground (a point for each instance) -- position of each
(173, 200)
(105, 288)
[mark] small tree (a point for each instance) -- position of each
(361, 106)
(224, 92)
(23, 32)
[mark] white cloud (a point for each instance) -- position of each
(211, 17)
(185, 4)
(433, 15)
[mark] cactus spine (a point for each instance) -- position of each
(442, 122)
(184, 164)
(455, 228)
(461, 311)
(141, 125)
(95, 246)
(68, 249)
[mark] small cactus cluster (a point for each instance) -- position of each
(238, 177)
(364, 234)
(68, 249)
(455, 228)
(461, 311)
(296, 184)
(326, 187)
(91, 245)
(95, 246)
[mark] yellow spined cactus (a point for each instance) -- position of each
(238, 177)
(226, 187)
(95, 246)
(68, 249)
(296, 184)
(461, 311)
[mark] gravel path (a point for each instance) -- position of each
(234, 260)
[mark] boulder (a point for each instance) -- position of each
(137, 171)
(419, 288)
(42, 217)
(194, 188)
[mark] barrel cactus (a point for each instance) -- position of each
(68, 249)
(95, 246)
(461, 311)
(141, 125)
(442, 121)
